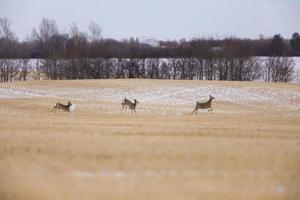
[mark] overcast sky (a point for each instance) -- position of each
(159, 19)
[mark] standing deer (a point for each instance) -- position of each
(68, 108)
(205, 105)
(131, 105)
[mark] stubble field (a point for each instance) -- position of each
(247, 148)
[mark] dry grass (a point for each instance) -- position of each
(237, 152)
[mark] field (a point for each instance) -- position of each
(247, 148)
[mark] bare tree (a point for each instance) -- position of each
(172, 62)
(279, 69)
(76, 49)
(5, 30)
(25, 68)
(9, 68)
(165, 71)
(95, 32)
(8, 40)
(153, 68)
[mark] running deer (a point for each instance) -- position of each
(131, 105)
(125, 103)
(205, 105)
(68, 108)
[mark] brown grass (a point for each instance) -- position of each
(243, 152)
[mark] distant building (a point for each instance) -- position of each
(150, 42)
(216, 49)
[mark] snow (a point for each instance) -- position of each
(165, 95)
(297, 70)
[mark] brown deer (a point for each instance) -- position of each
(205, 105)
(68, 108)
(125, 103)
(131, 105)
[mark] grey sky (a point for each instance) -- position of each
(160, 19)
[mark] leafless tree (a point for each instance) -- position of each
(8, 40)
(172, 62)
(5, 29)
(153, 68)
(95, 32)
(165, 70)
(279, 69)
(25, 69)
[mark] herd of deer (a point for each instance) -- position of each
(132, 105)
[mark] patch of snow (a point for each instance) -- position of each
(84, 174)
(280, 189)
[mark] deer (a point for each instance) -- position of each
(67, 108)
(128, 103)
(125, 103)
(205, 105)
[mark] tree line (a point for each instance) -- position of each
(81, 55)
(270, 69)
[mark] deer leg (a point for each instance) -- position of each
(134, 111)
(195, 111)
(53, 109)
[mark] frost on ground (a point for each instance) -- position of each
(164, 95)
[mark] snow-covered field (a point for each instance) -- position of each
(166, 95)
